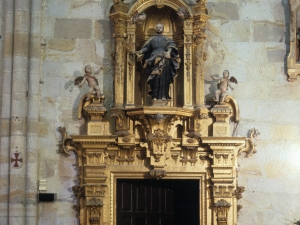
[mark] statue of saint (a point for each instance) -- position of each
(159, 56)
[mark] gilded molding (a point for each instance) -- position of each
(293, 59)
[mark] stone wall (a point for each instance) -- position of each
(250, 39)
(75, 34)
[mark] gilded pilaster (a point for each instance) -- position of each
(120, 21)
(293, 66)
(130, 78)
(199, 70)
(188, 65)
(199, 25)
(225, 151)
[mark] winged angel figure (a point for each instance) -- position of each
(91, 80)
(224, 83)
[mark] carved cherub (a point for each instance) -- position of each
(183, 13)
(223, 85)
(138, 17)
(91, 79)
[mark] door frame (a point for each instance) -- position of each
(203, 190)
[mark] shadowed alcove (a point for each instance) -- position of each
(173, 28)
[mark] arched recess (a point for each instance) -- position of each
(174, 30)
(192, 39)
(141, 5)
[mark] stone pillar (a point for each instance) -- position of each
(187, 63)
(33, 112)
(8, 8)
(17, 201)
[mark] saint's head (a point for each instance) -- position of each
(159, 28)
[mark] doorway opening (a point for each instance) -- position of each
(157, 202)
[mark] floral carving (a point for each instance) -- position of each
(222, 208)
(159, 137)
(188, 63)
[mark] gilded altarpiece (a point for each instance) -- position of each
(180, 140)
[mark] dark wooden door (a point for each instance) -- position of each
(152, 202)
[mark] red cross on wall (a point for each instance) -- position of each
(16, 160)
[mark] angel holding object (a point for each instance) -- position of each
(91, 80)
(223, 84)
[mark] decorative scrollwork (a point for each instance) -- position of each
(78, 191)
(238, 192)
(66, 143)
(159, 137)
(250, 145)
